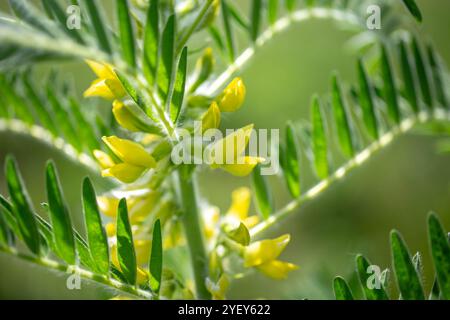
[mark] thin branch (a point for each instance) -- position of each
(343, 171)
(90, 276)
(281, 25)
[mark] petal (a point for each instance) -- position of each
(276, 269)
(230, 148)
(240, 204)
(108, 206)
(264, 251)
(102, 70)
(143, 249)
(242, 170)
(233, 96)
(99, 88)
(211, 119)
(124, 172)
(130, 152)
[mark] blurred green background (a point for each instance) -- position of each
(395, 189)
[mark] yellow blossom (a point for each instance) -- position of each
(264, 251)
(276, 269)
(211, 218)
(103, 159)
(228, 153)
(219, 289)
(135, 160)
(233, 96)
(107, 86)
(211, 118)
(240, 205)
(110, 229)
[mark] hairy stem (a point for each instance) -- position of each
(343, 171)
(54, 265)
(281, 25)
(193, 232)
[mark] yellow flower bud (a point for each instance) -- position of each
(233, 96)
(211, 118)
(277, 270)
(108, 206)
(130, 152)
(143, 249)
(264, 251)
(124, 172)
(108, 85)
(132, 118)
(240, 204)
(110, 230)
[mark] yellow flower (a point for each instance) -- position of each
(110, 229)
(135, 160)
(142, 276)
(129, 116)
(211, 118)
(263, 255)
(276, 269)
(233, 96)
(240, 205)
(108, 206)
(142, 248)
(264, 251)
(227, 153)
(211, 218)
(219, 289)
(108, 85)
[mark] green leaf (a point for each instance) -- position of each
(167, 58)
(156, 258)
(228, 31)
(179, 87)
(342, 121)
(98, 24)
(54, 10)
(4, 231)
(291, 164)
(96, 235)
(362, 268)
(87, 132)
(126, 32)
(408, 77)
(414, 9)
(240, 235)
(29, 13)
(151, 42)
(255, 27)
(290, 5)
(125, 245)
(389, 89)
(438, 77)
(424, 76)
(319, 140)
(341, 289)
(406, 274)
(367, 102)
(22, 207)
(263, 196)
(440, 251)
(236, 15)
(273, 11)
(59, 214)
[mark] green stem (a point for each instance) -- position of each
(54, 265)
(193, 232)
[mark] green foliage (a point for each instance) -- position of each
(407, 269)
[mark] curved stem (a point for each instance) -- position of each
(280, 26)
(343, 171)
(193, 232)
(111, 283)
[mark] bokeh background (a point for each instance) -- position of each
(395, 189)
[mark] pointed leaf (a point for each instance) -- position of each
(408, 77)
(291, 164)
(263, 197)
(341, 289)
(414, 9)
(257, 7)
(59, 214)
(179, 87)
(22, 207)
(126, 32)
(408, 280)
(156, 259)
(319, 140)
(423, 74)
(167, 58)
(342, 121)
(98, 25)
(438, 77)
(151, 42)
(367, 102)
(440, 251)
(96, 235)
(375, 293)
(273, 11)
(389, 89)
(125, 246)
(228, 31)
